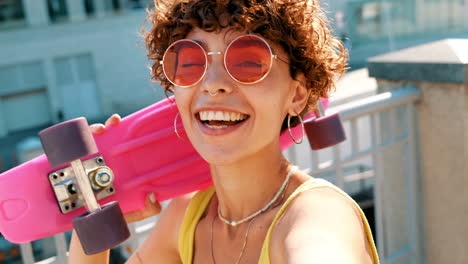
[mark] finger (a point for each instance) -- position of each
(152, 208)
(97, 128)
(148, 211)
(113, 120)
(151, 197)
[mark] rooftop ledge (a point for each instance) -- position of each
(443, 61)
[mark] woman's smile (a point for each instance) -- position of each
(219, 121)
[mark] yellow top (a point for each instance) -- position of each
(201, 200)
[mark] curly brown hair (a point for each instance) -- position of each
(299, 27)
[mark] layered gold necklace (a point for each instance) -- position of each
(251, 217)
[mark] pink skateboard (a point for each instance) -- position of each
(142, 154)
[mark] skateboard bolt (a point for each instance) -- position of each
(71, 188)
(103, 177)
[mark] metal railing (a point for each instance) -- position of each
(377, 127)
(382, 140)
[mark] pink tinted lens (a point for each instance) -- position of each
(248, 59)
(184, 63)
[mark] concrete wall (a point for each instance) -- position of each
(440, 70)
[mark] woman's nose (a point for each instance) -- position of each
(217, 80)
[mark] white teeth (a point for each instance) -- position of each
(216, 127)
(227, 116)
(221, 116)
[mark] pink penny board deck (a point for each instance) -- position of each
(145, 156)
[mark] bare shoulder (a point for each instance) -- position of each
(161, 245)
(321, 225)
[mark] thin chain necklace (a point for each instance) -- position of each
(235, 223)
(243, 245)
(246, 233)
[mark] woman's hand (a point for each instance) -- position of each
(152, 206)
(113, 120)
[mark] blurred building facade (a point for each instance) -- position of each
(372, 27)
(61, 59)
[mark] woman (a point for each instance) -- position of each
(242, 72)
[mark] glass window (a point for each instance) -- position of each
(57, 10)
(64, 71)
(32, 76)
(25, 103)
(108, 6)
(9, 78)
(11, 14)
(22, 77)
(26, 110)
(116, 5)
(85, 67)
(89, 7)
(76, 81)
(139, 4)
(74, 69)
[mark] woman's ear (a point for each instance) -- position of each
(300, 95)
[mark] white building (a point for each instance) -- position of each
(61, 59)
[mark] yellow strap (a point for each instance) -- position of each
(308, 185)
(201, 200)
(193, 214)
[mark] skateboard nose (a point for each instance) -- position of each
(13, 208)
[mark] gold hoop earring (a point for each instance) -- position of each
(290, 132)
(175, 127)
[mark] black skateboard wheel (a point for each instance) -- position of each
(67, 141)
(325, 131)
(102, 229)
